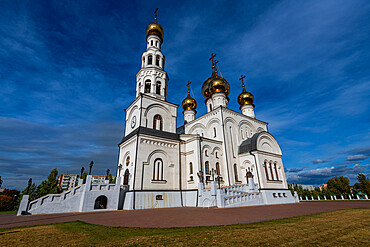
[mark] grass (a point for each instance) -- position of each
(8, 212)
(349, 227)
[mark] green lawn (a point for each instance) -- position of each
(8, 212)
(350, 227)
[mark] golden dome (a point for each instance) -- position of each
(156, 29)
(219, 85)
(189, 103)
(205, 88)
(245, 98)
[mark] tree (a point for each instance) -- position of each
(363, 184)
(8, 199)
(339, 185)
(49, 186)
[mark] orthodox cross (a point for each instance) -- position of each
(212, 58)
(242, 79)
(188, 85)
(155, 14)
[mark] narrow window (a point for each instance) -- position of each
(210, 107)
(218, 169)
(157, 122)
(157, 60)
(191, 168)
(128, 161)
(156, 43)
(147, 86)
(151, 43)
(236, 173)
(272, 174)
(276, 172)
(216, 154)
(232, 142)
(267, 175)
(241, 133)
(150, 59)
(207, 168)
(158, 88)
(214, 132)
(158, 170)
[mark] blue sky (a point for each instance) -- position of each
(67, 72)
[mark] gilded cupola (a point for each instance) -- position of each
(189, 103)
(155, 28)
(245, 97)
(215, 83)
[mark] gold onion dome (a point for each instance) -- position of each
(155, 28)
(215, 83)
(245, 97)
(189, 103)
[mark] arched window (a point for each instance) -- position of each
(157, 122)
(151, 43)
(147, 86)
(272, 174)
(191, 168)
(157, 60)
(216, 154)
(266, 172)
(214, 132)
(158, 87)
(158, 170)
(101, 202)
(241, 133)
(232, 142)
(150, 59)
(236, 173)
(218, 168)
(276, 172)
(128, 161)
(206, 153)
(207, 168)
(210, 107)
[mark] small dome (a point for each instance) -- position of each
(205, 88)
(245, 98)
(219, 85)
(155, 28)
(189, 103)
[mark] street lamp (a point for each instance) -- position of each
(82, 171)
(107, 174)
(91, 165)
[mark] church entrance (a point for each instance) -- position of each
(125, 177)
(101, 202)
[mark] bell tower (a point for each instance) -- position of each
(151, 78)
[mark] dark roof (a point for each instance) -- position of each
(151, 132)
(250, 144)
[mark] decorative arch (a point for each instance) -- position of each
(266, 142)
(158, 153)
(196, 126)
(260, 129)
(156, 105)
(217, 149)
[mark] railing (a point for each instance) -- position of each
(229, 200)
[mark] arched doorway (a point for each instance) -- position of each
(101, 202)
(125, 177)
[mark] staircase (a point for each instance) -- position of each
(241, 195)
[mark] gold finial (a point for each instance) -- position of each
(215, 66)
(155, 15)
(242, 79)
(212, 58)
(188, 85)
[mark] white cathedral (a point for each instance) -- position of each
(224, 158)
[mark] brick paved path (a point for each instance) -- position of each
(178, 217)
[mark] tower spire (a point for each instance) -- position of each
(242, 79)
(188, 85)
(155, 15)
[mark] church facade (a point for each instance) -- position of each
(165, 166)
(224, 158)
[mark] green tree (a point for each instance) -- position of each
(339, 185)
(49, 186)
(363, 184)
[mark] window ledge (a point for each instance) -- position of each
(159, 181)
(190, 181)
(274, 181)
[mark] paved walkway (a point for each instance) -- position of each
(179, 217)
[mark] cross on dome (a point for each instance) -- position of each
(242, 79)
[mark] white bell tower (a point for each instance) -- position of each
(151, 78)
